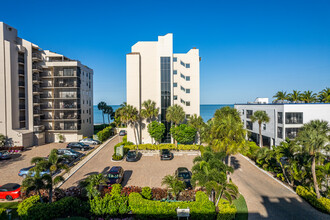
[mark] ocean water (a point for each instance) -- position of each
(206, 111)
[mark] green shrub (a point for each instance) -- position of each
(146, 192)
(202, 208)
(322, 204)
(125, 139)
(183, 133)
(24, 207)
(105, 133)
(3, 214)
(117, 157)
(226, 211)
(163, 146)
(116, 190)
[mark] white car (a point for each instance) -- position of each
(89, 141)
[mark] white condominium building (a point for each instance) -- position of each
(285, 119)
(42, 94)
(154, 72)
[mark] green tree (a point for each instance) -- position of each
(280, 96)
(295, 96)
(92, 184)
(260, 117)
(101, 106)
(324, 95)
(2, 140)
(108, 110)
(197, 123)
(156, 130)
(35, 183)
(308, 96)
(149, 110)
(175, 114)
(119, 115)
(174, 184)
(131, 117)
(314, 137)
(224, 189)
(183, 133)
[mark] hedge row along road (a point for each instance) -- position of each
(266, 198)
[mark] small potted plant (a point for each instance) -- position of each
(60, 138)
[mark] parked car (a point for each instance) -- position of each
(4, 155)
(133, 156)
(78, 145)
(69, 152)
(89, 141)
(25, 171)
(122, 133)
(10, 191)
(165, 154)
(184, 175)
(115, 175)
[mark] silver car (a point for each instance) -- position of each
(89, 141)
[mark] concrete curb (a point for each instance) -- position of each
(67, 175)
(252, 162)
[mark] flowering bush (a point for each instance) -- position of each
(159, 193)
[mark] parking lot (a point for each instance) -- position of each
(9, 168)
(148, 171)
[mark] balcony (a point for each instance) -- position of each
(21, 72)
(46, 96)
(45, 107)
(36, 111)
(46, 75)
(21, 83)
(35, 78)
(21, 60)
(66, 128)
(46, 85)
(22, 118)
(36, 57)
(36, 90)
(66, 84)
(21, 106)
(38, 128)
(36, 68)
(67, 106)
(21, 95)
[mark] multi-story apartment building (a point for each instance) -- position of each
(154, 72)
(43, 94)
(285, 119)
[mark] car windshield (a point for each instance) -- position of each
(72, 151)
(131, 153)
(184, 175)
(113, 175)
(165, 151)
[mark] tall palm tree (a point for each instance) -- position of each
(35, 183)
(260, 117)
(324, 95)
(149, 110)
(295, 96)
(280, 96)
(197, 123)
(101, 106)
(130, 115)
(176, 115)
(308, 96)
(109, 111)
(174, 184)
(314, 137)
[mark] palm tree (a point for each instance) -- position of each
(149, 110)
(175, 114)
(224, 189)
(295, 96)
(280, 96)
(101, 106)
(35, 183)
(314, 137)
(197, 123)
(130, 115)
(53, 163)
(109, 111)
(324, 95)
(174, 184)
(92, 184)
(260, 117)
(308, 96)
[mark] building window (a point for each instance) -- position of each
(182, 101)
(175, 59)
(188, 65)
(242, 111)
(187, 90)
(249, 113)
(175, 84)
(264, 127)
(90, 120)
(187, 78)
(280, 117)
(175, 97)
(175, 72)
(293, 118)
(279, 132)
(182, 76)
(87, 120)
(249, 125)
(291, 133)
(182, 63)
(67, 72)
(165, 71)
(183, 89)
(187, 103)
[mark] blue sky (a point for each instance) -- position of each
(249, 48)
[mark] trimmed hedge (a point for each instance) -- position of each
(164, 146)
(202, 208)
(32, 209)
(105, 133)
(226, 211)
(322, 204)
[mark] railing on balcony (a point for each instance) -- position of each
(36, 100)
(21, 95)
(21, 60)
(36, 89)
(67, 106)
(36, 111)
(38, 128)
(21, 106)
(66, 96)
(21, 83)
(68, 116)
(35, 78)
(45, 74)
(21, 72)
(72, 84)
(45, 96)
(66, 128)
(36, 67)
(46, 107)
(36, 56)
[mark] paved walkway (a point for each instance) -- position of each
(268, 199)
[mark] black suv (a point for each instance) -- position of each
(184, 175)
(165, 154)
(78, 146)
(133, 156)
(115, 175)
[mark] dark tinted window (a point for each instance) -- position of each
(293, 118)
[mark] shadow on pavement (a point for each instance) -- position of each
(235, 163)
(127, 176)
(14, 158)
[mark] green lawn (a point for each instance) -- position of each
(242, 210)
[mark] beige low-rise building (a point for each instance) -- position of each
(43, 95)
